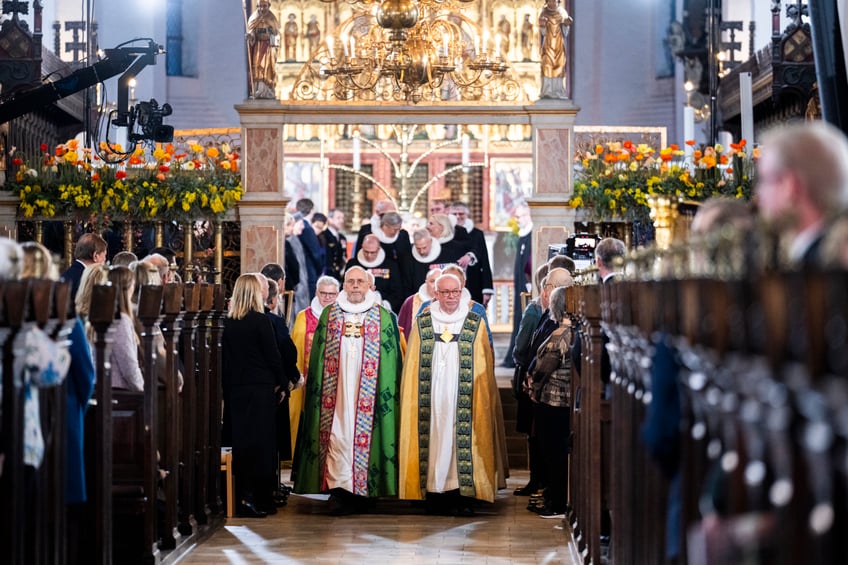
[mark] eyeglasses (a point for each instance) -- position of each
(327, 294)
(450, 292)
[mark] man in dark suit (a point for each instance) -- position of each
(89, 250)
(522, 272)
(311, 245)
(335, 245)
(802, 181)
(476, 262)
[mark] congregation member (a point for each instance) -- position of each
(291, 380)
(476, 261)
(522, 271)
(296, 262)
(252, 375)
(388, 279)
(302, 334)
(412, 305)
(165, 259)
(523, 357)
(312, 251)
(347, 442)
(802, 185)
(274, 272)
(549, 387)
(125, 258)
(546, 325)
(335, 244)
(452, 441)
(125, 369)
(89, 250)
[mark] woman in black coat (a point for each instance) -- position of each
(252, 374)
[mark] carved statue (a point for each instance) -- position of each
(263, 30)
(313, 33)
(504, 30)
(554, 23)
(290, 35)
(526, 38)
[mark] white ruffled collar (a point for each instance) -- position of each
(435, 250)
(381, 256)
(525, 230)
(316, 307)
(443, 318)
(377, 229)
(351, 308)
(423, 294)
(468, 224)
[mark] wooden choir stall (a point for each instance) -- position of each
(152, 458)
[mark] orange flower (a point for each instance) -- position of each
(697, 154)
(690, 142)
(611, 158)
(120, 175)
(723, 159)
(212, 152)
(96, 176)
(628, 145)
(135, 160)
(161, 176)
(164, 169)
(674, 147)
(73, 144)
(170, 149)
(599, 149)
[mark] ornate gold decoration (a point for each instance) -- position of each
(663, 214)
(407, 50)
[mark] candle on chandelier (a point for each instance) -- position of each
(352, 46)
(357, 150)
(485, 40)
(330, 46)
(445, 44)
(344, 45)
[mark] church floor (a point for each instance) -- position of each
(397, 532)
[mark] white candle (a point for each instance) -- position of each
(357, 149)
(688, 129)
(445, 44)
(330, 46)
(352, 46)
(485, 40)
(746, 103)
(344, 45)
(466, 149)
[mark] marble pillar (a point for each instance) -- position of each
(553, 166)
(262, 209)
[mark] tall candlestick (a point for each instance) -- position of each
(746, 103)
(466, 149)
(330, 46)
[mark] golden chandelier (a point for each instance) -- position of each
(408, 50)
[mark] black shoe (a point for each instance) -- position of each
(280, 500)
(526, 490)
(341, 507)
(248, 509)
(550, 513)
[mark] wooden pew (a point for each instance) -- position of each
(101, 315)
(189, 409)
(15, 299)
(170, 324)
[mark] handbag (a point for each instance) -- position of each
(549, 358)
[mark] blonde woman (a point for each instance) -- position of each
(252, 373)
(125, 372)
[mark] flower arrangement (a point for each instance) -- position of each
(617, 181)
(159, 183)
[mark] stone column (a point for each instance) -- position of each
(553, 156)
(263, 206)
